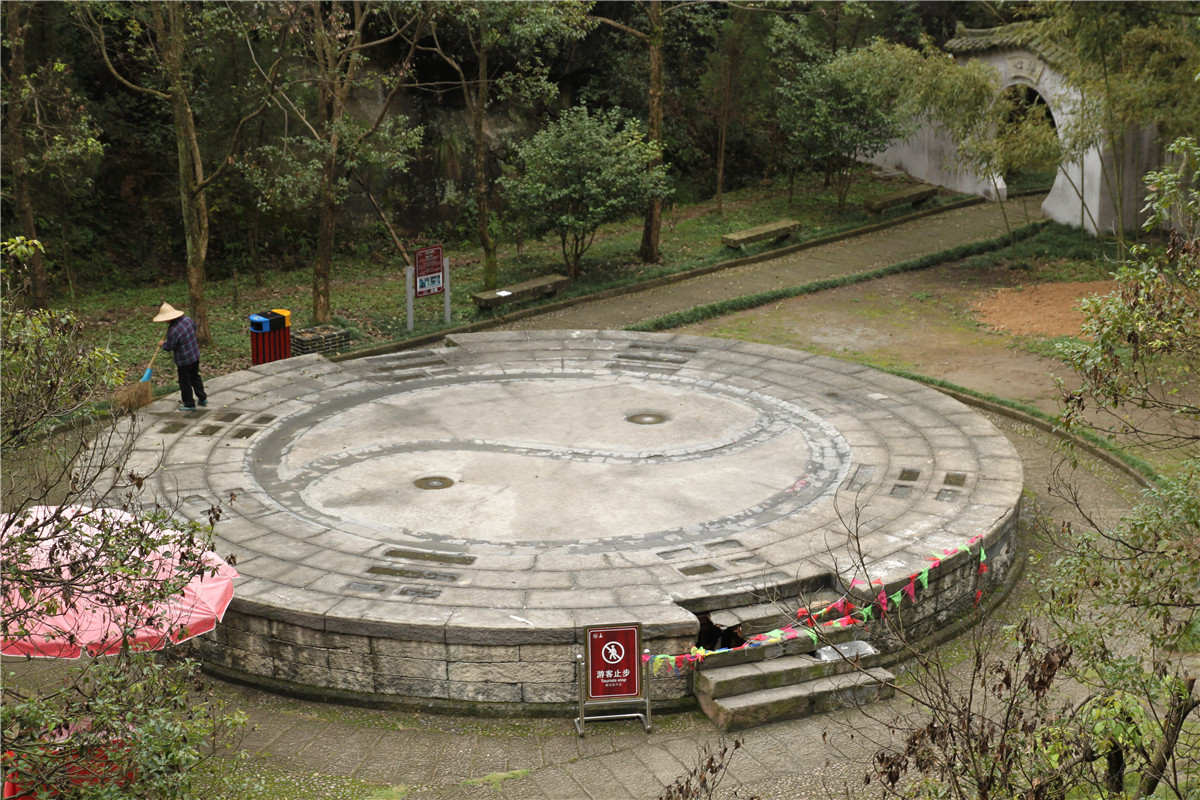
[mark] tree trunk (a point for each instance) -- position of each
(195, 215)
(1182, 704)
(334, 91)
(652, 229)
(252, 245)
(568, 259)
(726, 99)
(39, 290)
(195, 230)
(324, 50)
(481, 183)
(168, 18)
(327, 229)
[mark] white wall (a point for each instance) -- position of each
(929, 155)
(1080, 196)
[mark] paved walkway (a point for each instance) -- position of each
(308, 750)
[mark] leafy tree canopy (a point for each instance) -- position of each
(842, 111)
(581, 171)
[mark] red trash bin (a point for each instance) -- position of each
(270, 336)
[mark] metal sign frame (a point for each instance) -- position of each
(423, 259)
(596, 639)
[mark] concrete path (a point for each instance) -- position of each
(309, 750)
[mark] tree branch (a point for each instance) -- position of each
(406, 66)
(96, 30)
(612, 23)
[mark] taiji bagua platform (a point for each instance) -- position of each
(438, 526)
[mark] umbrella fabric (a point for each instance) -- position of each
(86, 621)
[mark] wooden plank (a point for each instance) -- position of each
(772, 230)
(537, 287)
(914, 195)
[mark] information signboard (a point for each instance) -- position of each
(613, 660)
(613, 670)
(429, 273)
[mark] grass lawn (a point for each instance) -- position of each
(368, 295)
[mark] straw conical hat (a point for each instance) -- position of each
(168, 313)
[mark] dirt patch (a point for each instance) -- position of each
(960, 325)
(1047, 309)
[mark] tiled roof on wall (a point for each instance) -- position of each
(1014, 36)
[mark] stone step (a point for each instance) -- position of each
(764, 617)
(788, 670)
(801, 700)
(800, 645)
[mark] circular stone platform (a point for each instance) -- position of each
(441, 524)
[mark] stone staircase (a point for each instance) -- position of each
(786, 680)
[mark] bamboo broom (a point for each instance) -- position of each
(138, 395)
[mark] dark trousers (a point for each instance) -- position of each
(189, 382)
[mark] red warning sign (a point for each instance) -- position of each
(613, 662)
(428, 275)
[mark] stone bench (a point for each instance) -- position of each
(774, 230)
(526, 290)
(915, 195)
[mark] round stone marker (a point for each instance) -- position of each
(441, 524)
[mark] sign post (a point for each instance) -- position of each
(446, 286)
(613, 672)
(429, 274)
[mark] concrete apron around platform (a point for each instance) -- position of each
(436, 528)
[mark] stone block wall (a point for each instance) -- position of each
(956, 586)
(421, 667)
(321, 339)
(377, 669)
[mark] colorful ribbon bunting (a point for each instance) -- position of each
(849, 614)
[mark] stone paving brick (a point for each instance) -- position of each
(558, 782)
(659, 761)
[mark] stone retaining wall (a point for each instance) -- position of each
(420, 668)
(381, 669)
(321, 339)
(956, 587)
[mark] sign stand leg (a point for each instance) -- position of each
(408, 283)
(646, 720)
(581, 677)
(446, 285)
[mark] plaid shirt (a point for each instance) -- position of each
(181, 337)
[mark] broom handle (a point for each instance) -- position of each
(156, 352)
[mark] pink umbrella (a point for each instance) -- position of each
(98, 619)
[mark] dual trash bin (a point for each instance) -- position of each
(270, 336)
